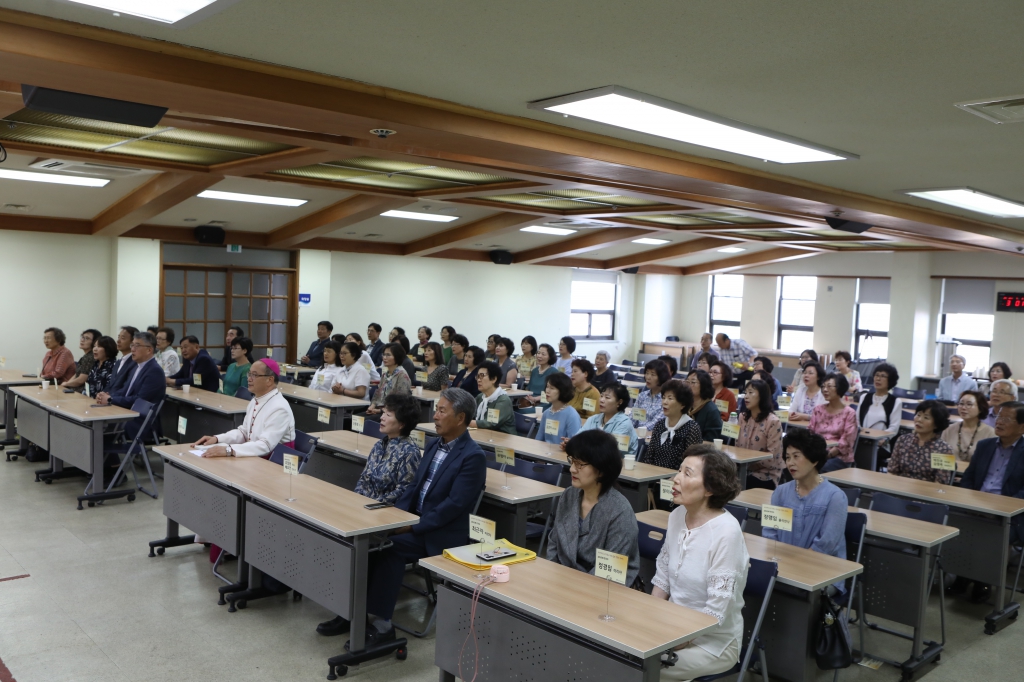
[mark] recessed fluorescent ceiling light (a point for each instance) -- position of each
(649, 240)
(53, 178)
(655, 116)
(731, 249)
(164, 11)
(544, 229)
(411, 215)
(251, 198)
(972, 200)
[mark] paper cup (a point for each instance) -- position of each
(718, 443)
(539, 411)
(184, 388)
(419, 390)
(629, 462)
(641, 432)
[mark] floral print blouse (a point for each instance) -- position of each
(437, 380)
(99, 376)
(763, 436)
(390, 469)
(397, 381)
(836, 428)
(652, 404)
(910, 459)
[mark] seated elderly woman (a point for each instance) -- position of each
(585, 400)
(466, 378)
(761, 430)
(58, 362)
(808, 395)
(394, 379)
(773, 385)
(437, 371)
(395, 458)
(843, 360)
(104, 351)
(836, 422)
(503, 350)
(964, 435)
(559, 421)
(912, 454)
(819, 507)
(611, 418)
(705, 360)
(493, 406)
(456, 363)
(704, 411)
(721, 379)
(999, 370)
(527, 361)
(603, 374)
(1001, 391)
(648, 402)
(809, 355)
(326, 375)
(703, 562)
(676, 431)
(591, 514)
(539, 376)
(354, 379)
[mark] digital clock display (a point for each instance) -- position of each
(1010, 302)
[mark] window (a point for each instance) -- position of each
(726, 304)
(871, 339)
(592, 305)
(974, 332)
(796, 310)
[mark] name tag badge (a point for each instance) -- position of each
(730, 430)
(182, 425)
(783, 416)
(197, 379)
(785, 400)
(291, 464)
(943, 462)
(319, 379)
(481, 529)
(666, 489)
(633, 393)
(493, 415)
(639, 414)
(421, 377)
(459, 368)
(323, 415)
(551, 427)
(589, 405)
(779, 518)
(357, 424)
(611, 566)
(623, 441)
(418, 437)
(505, 456)
(562, 370)
(722, 406)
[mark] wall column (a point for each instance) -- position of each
(910, 344)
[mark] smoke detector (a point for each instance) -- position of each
(383, 132)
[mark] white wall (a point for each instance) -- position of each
(760, 299)
(830, 265)
(910, 315)
(694, 292)
(315, 279)
(834, 314)
(135, 283)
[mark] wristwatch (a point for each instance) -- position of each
(229, 451)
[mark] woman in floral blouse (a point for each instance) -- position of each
(912, 456)
(761, 430)
(835, 421)
(437, 370)
(394, 459)
(394, 379)
(676, 431)
(104, 351)
(649, 401)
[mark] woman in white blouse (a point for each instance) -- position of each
(326, 375)
(808, 394)
(363, 358)
(703, 563)
(881, 410)
(353, 380)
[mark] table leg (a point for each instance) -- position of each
(9, 438)
(360, 558)
(1005, 612)
(741, 472)
(95, 491)
(446, 676)
(172, 539)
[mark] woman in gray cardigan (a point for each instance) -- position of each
(593, 515)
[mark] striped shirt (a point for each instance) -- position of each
(443, 449)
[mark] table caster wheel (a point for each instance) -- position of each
(160, 550)
(92, 504)
(402, 654)
(48, 481)
(131, 498)
(14, 458)
(241, 604)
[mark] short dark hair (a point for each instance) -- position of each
(238, 330)
(767, 378)
(245, 343)
(585, 366)
(190, 338)
(450, 329)
(813, 446)
(399, 330)
(358, 338)
(478, 355)
(707, 389)
(766, 362)
(681, 391)
(1017, 407)
(438, 352)
(1003, 366)
(983, 406)
(403, 341)
(892, 375)
(673, 364)
(461, 340)
(660, 368)
(493, 338)
(726, 371)
(376, 327)
(719, 474)
(601, 451)
(108, 345)
(570, 343)
(353, 349)
(842, 383)
(818, 371)
(132, 331)
(810, 351)
(96, 333)
(325, 323)
(709, 358)
(764, 400)
(169, 333)
(621, 394)
(152, 329)
(336, 347)
(939, 412)
(533, 344)
(58, 335)
(146, 338)
(844, 355)
(563, 385)
(406, 409)
(428, 331)
(510, 346)
(492, 369)
(552, 353)
(340, 338)
(397, 352)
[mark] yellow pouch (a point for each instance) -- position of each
(467, 555)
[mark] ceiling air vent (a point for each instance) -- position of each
(85, 168)
(1002, 110)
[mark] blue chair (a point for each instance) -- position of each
(137, 448)
(853, 495)
(649, 541)
(545, 473)
(277, 456)
(671, 338)
(641, 451)
(907, 393)
(305, 442)
(856, 528)
(371, 428)
(739, 512)
(760, 583)
(631, 363)
(633, 377)
(286, 378)
(525, 426)
(370, 392)
(243, 393)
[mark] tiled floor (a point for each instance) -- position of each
(96, 607)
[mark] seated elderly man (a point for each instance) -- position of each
(1001, 391)
(268, 419)
(950, 387)
(705, 347)
(197, 368)
(145, 380)
(739, 355)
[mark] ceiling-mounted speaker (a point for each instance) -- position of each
(88, 106)
(499, 257)
(847, 225)
(209, 234)
(631, 271)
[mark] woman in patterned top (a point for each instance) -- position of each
(104, 351)
(808, 394)
(655, 375)
(761, 429)
(527, 362)
(836, 422)
(394, 380)
(85, 363)
(912, 456)
(676, 431)
(437, 370)
(394, 459)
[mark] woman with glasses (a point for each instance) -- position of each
(721, 379)
(493, 406)
(559, 422)
(912, 456)
(592, 514)
(241, 361)
(808, 395)
(353, 380)
(394, 379)
(836, 422)
(963, 436)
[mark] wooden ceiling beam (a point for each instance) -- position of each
(286, 158)
(50, 151)
(337, 216)
(156, 195)
(470, 192)
(186, 235)
(498, 223)
(10, 103)
(625, 211)
(748, 260)
(668, 252)
(31, 223)
(590, 240)
(340, 186)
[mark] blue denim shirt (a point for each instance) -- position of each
(819, 519)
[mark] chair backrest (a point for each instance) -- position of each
(520, 382)
(739, 512)
(428, 441)
(492, 463)
(371, 428)
(650, 539)
(641, 451)
(305, 442)
(539, 471)
(630, 363)
(907, 393)
(525, 426)
(277, 456)
(671, 338)
(370, 392)
(888, 504)
(286, 379)
(243, 393)
(856, 525)
(760, 579)
(142, 407)
(853, 495)
(908, 414)
(633, 377)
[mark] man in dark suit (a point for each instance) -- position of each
(375, 347)
(997, 467)
(124, 366)
(196, 363)
(447, 486)
(146, 381)
(314, 357)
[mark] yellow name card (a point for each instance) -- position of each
(323, 415)
(551, 427)
(481, 529)
(639, 414)
(493, 415)
(505, 456)
(666, 489)
(589, 405)
(623, 440)
(783, 416)
(357, 423)
(418, 438)
(944, 462)
(779, 518)
(723, 406)
(730, 430)
(611, 566)
(291, 464)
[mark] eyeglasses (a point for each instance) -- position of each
(139, 345)
(253, 375)
(576, 462)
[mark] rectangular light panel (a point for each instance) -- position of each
(164, 11)
(54, 178)
(731, 249)
(972, 200)
(412, 215)
(651, 241)
(250, 198)
(633, 110)
(544, 229)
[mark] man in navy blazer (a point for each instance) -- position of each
(145, 381)
(124, 366)
(447, 486)
(196, 363)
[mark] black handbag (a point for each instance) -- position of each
(833, 646)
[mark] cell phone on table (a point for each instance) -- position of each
(69, 390)
(378, 505)
(30, 376)
(496, 553)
